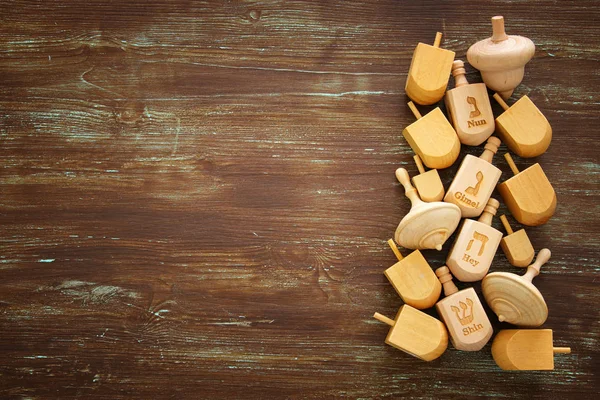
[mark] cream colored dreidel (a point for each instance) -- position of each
(475, 181)
(464, 316)
(429, 72)
(528, 195)
(516, 245)
(427, 225)
(416, 333)
(413, 279)
(428, 183)
(513, 298)
(432, 138)
(501, 58)
(469, 108)
(475, 246)
(523, 127)
(526, 349)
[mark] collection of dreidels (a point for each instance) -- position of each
(528, 195)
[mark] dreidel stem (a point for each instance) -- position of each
(384, 319)
(438, 39)
(409, 189)
(419, 163)
(498, 32)
(394, 248)
(534, 269)
(414, 110)
(506, 224)
(511, 163)
(501, 101)
(561, 350)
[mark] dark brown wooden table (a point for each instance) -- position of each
(195, 197)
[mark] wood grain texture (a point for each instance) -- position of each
(195, 197)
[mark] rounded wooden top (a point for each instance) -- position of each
(428, 225)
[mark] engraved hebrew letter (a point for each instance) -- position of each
(475, 189)
(472, 101)
(479, 237)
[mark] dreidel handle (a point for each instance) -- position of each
(534, 269)
(561, 350)
(501, 101)
(394, 248)
(384, 319)
(511, 163)
(409, 189)
(438, 39)
(414, 110)
(498, 32)
(419, 163)
(506, 224)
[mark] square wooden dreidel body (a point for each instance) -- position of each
(464, 316)
(413, 279)
(469, 108)
(429, 72)
(427, 225)
(416, 333)
(514, 298)
(523, 127)
(516, 245)
(475, 246)
(475, 181)
(432, 138)
(528, 195)
(428, 183)
(526, 349)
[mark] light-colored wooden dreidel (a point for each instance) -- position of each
(428, 183)
(469, 108)
(429, 72)
(427, 225)
(513, 298)
(516, 245)
(475, 245)
(475, 181)
(432, 138)
(523, 127)
(413, 279)
(416, 333)
(528, 195)
(526, 349)
(464, 316)
(501, 58)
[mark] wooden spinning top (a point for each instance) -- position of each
(429, 72)
(514, 298)
(525, 349)
(427, 225)
(464, 316)
(416, 333)
(469, 108)
(523, 127)
(428, 183)
(432, 138)
(516, 245)
(501, 58)
(528, 195)
(413, 279)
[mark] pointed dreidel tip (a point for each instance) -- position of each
(394, 248)
(501, 318)
(384, 319)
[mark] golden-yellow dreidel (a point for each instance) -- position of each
(516, 245)
(428, 183)
(526, 349)
(429, 72)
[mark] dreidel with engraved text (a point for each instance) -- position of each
(469, 108)
(475, 246)
(468, 325)
(475, 181)
(416, 333)
(429, 72)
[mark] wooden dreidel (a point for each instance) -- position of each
(501, 58)
(523, 127)
(528, 195)
(516, 245)
(416, 333)
(475, 180)
(428, 183)
(429, 72)
(413, 279)
(427, 225)
(475, 246)
(514, 298)
(464, 316)
(432, 138)
(526, 349)
(469, 108)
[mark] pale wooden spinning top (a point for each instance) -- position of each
(413, 279)
(427, 225)
(525, 349)
(501, 58)
(514, 298)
